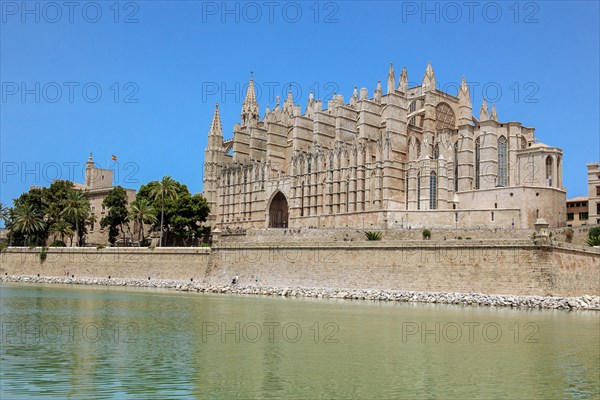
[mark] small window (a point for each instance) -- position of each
(597, 208)
(502, 161)
(477, 161)
(492, 215)
(412, 108)
(432, 191)
(583, 216)
(597, 190)
(570, 216)
(549, 171)
(419, 191)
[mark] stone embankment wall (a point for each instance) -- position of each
(517, 267)
(292, 235)
(119, 262)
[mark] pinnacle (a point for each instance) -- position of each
(216, 127)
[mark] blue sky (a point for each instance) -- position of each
(140, 80)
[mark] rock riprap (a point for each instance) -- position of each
(468, 299)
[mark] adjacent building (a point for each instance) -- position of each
(593, 170)
(409, 157)
(577, 211)
(98, 183)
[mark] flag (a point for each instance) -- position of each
(114, 158)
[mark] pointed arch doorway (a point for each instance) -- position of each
(278, 211)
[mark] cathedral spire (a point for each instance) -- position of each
(494, 115)
(465, 108)
(288, 104)
(354, 98)
(483, 113)
(378, 91)
(250, 106)
(215, 134)
(463, 93)
(429, 78)
(310, 104)
(403, 85)
(391, 80)
(215, 127)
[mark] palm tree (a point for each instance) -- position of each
(143, 213)
(62, 228)
(27, 220)
(4, 213)
(76, 209)
(167, 187)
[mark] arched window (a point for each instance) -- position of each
(456, 167)
(549, 171)
(502, 162)
(432, 191)
(477, 161)
(412, 108)
(444, 117)
(558, 175)
(436, 151)
(419, 191)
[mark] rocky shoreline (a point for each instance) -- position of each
(470, 299)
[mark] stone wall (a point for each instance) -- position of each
(304, 235)
(120, 262)
(517, 267)
(508, 267)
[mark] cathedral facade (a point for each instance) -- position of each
(410, 158)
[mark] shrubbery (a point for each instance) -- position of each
(594, 236)
(371, 235)
(43, 254)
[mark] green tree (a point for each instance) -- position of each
(166, 189)
(182, 215)
(117, 216)
(143, 212)
(186, 217)
(62, 228)
(4, 213)
(28, 221)
(54, 204)
(54, 199)
(76, 210)
(33, 200)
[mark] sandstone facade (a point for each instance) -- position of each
(98, 183)
(594, 193)
(413, 157)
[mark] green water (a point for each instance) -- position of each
(93, 342)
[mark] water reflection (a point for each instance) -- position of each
(114, 343)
